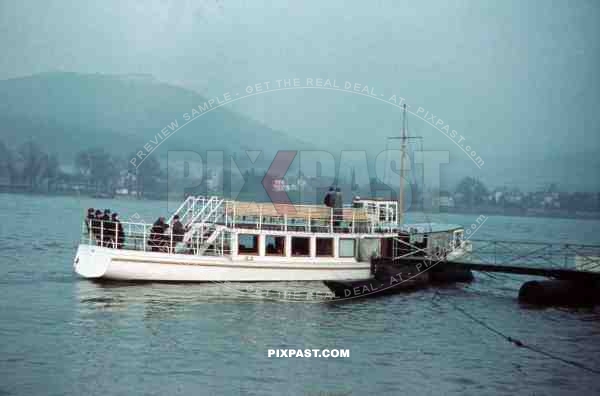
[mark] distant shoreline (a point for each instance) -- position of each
(531, 212)
(488, 211)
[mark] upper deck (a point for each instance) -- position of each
(362, 216)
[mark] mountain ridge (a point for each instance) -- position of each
(67, 112)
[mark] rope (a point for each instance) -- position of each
(520, 343)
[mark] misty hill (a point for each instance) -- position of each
(68, 112)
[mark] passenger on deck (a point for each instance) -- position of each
(157, 234)
(178, 230)
(97, 228)
(88, 220)
(109, 229)
(329, 199)
(120, 233)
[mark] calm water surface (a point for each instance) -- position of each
(63, 335)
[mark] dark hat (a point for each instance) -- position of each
(330, 188)
(98, 211)
(106, 211)
(175, 217)
(115, 214)
(90, 210)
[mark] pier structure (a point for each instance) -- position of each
(567, 261)
(572, 271)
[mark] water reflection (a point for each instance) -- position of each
(168, 300)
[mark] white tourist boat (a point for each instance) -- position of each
(247, 242)
(239, 241)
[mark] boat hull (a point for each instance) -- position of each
(398, 276)
(93, 262)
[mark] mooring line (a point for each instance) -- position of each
(518, 342)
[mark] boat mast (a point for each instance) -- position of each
(402, 151)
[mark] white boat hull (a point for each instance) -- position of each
(94, 262)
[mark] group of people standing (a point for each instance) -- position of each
(163, 240)
(105, 228)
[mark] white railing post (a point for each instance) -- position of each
(193, 208)
(101, 232)
(331, 222)
(259, 216)
(144, 237)
(309, 218)
(285, 222)
(353, 220)
(171, 247)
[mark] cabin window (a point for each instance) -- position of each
(274, 245)
(247, 244)
(324, 247)
(300, 246)
(347, 247)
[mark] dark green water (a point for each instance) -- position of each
(63, 335)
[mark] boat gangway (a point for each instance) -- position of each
(572, 270)
(567, 261)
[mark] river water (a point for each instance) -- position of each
(63, 335)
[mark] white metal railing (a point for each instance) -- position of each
(193, 208)
(183, 208)
(302, 218)
(208, 213)
(435, 246)
(140, 237)
(215, 232)
(121, 235)
(205, 207)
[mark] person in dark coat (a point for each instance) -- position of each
(158, 234)
(178, 230)
(97, 226)
(88, 219)
(120, 233)
(329, 199)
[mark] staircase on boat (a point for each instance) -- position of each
(201, 217)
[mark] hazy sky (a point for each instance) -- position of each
(518, 79)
